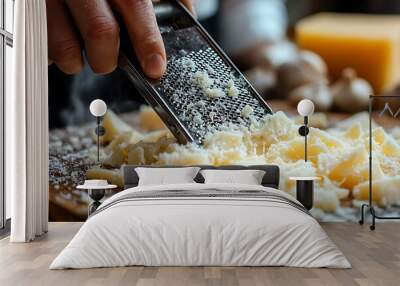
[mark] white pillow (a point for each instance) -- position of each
(247, 177)
(166, 176)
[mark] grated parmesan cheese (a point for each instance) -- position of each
(214, 93)
(188, 63)
(203, 80)
(247, 111)
(197, 119)
(210, 70)
(232, 90)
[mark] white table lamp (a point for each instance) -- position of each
(98, 108)
(305, 108)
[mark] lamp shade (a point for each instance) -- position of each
(305, 107)
(98, 107)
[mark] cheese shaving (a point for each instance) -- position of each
(203, 80)
(232, 90)
(247, 111)
(214, 93)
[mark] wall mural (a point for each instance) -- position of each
(135, 135)
(337, 142)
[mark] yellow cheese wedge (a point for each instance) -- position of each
(129, 137)
(136, 156)
(112, 176)
(368, 43)
(157, 135)
(113, 126)
(354, 133)
(346, 171)
(116, 158)
(384, 191)
(190, 155)
(326, 200)
(149, 120)
(225, 140)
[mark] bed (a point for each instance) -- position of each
(198, 224)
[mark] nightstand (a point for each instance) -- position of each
(96, 190)
(305, 190)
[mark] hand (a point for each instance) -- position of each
(74, 24)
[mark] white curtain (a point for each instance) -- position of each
(27, 124)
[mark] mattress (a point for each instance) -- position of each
(201, 225)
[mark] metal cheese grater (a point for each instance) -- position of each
(192, 57)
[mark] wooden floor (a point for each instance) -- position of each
(375, 257)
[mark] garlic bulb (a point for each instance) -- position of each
(319, 93)
(262, 79)
(351, 93)
(278, 53)
(314, 60)
(295, 74)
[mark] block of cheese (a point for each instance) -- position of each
(368, 43)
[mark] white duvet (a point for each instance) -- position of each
(200, 231)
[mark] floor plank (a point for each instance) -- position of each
(375, 257)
